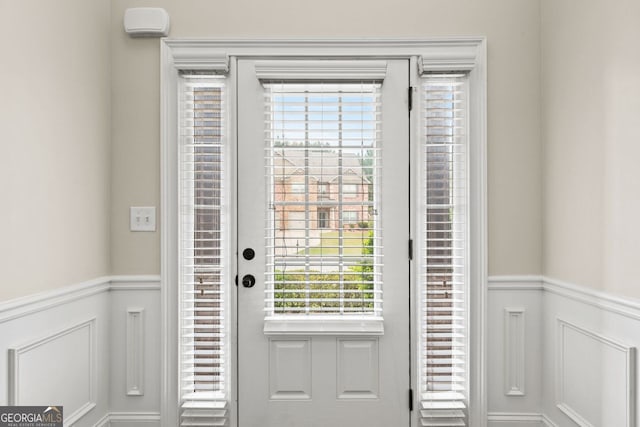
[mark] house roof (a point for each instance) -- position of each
(323, 165)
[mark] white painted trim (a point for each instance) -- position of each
(629, 353)
(321, 69)
(139, 278)
(326, 326)
(629, 307)
(514, 351)
(440, 54)
(201, 60)
(133, 417)
(547, 422)
(449, 47)
(127, 417)
(516, 283)
(149, 282)
(522, 417)
(81, 412)
(169, 292)
(14, 367)
(103, 422)
(135, 351)
(478, 232)
(461, 57)
(23, 306)
(514, 417)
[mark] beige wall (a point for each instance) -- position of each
(591, 134)
(512, 29)
(54, 146)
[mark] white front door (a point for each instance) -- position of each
(323, 206)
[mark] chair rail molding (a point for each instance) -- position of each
(23, 306)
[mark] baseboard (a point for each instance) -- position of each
(123, 419)
(546, 421)
(515, 419)
(103, 422)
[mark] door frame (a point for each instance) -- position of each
(467, 54)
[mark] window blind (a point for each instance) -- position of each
(324, 245)
(443, 277)
(202, 264)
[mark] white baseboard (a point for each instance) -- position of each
(103, 422)
(124, 419)
(515, 419)
(546, 421)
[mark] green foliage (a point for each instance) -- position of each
(327, 292)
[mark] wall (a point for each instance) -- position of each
(591, 101)
(512, 29)
(54, 157)
(93, 348)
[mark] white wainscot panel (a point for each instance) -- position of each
(358, 375)
(595, 378)
(135, 351)
(514, 351)
(57, 368)
(290, 368)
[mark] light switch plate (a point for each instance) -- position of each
(142, 218)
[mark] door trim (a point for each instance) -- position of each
(433, 54)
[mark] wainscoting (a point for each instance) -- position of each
(559, 355)
(93, 348)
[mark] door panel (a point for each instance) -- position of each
(324, 368)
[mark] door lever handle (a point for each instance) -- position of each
(248, 281)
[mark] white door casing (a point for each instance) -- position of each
(465, 54)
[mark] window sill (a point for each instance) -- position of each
(324, 325)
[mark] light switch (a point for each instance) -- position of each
(142, 218)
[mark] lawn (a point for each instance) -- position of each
(352, 243)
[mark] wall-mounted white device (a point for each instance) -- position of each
(142, 218)
(146, 22)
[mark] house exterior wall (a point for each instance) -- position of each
(284, 191)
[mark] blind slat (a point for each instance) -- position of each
(444, 258)
(202, 213)
(323, 164)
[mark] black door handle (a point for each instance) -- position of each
(248, 281)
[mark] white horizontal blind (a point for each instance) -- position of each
(444, 283)
(203, 255)
(323, 168)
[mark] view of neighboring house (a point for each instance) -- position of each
(318, 190)
(329, 187)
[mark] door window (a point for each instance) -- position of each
(328, 134)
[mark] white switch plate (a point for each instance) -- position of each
(142, 218)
